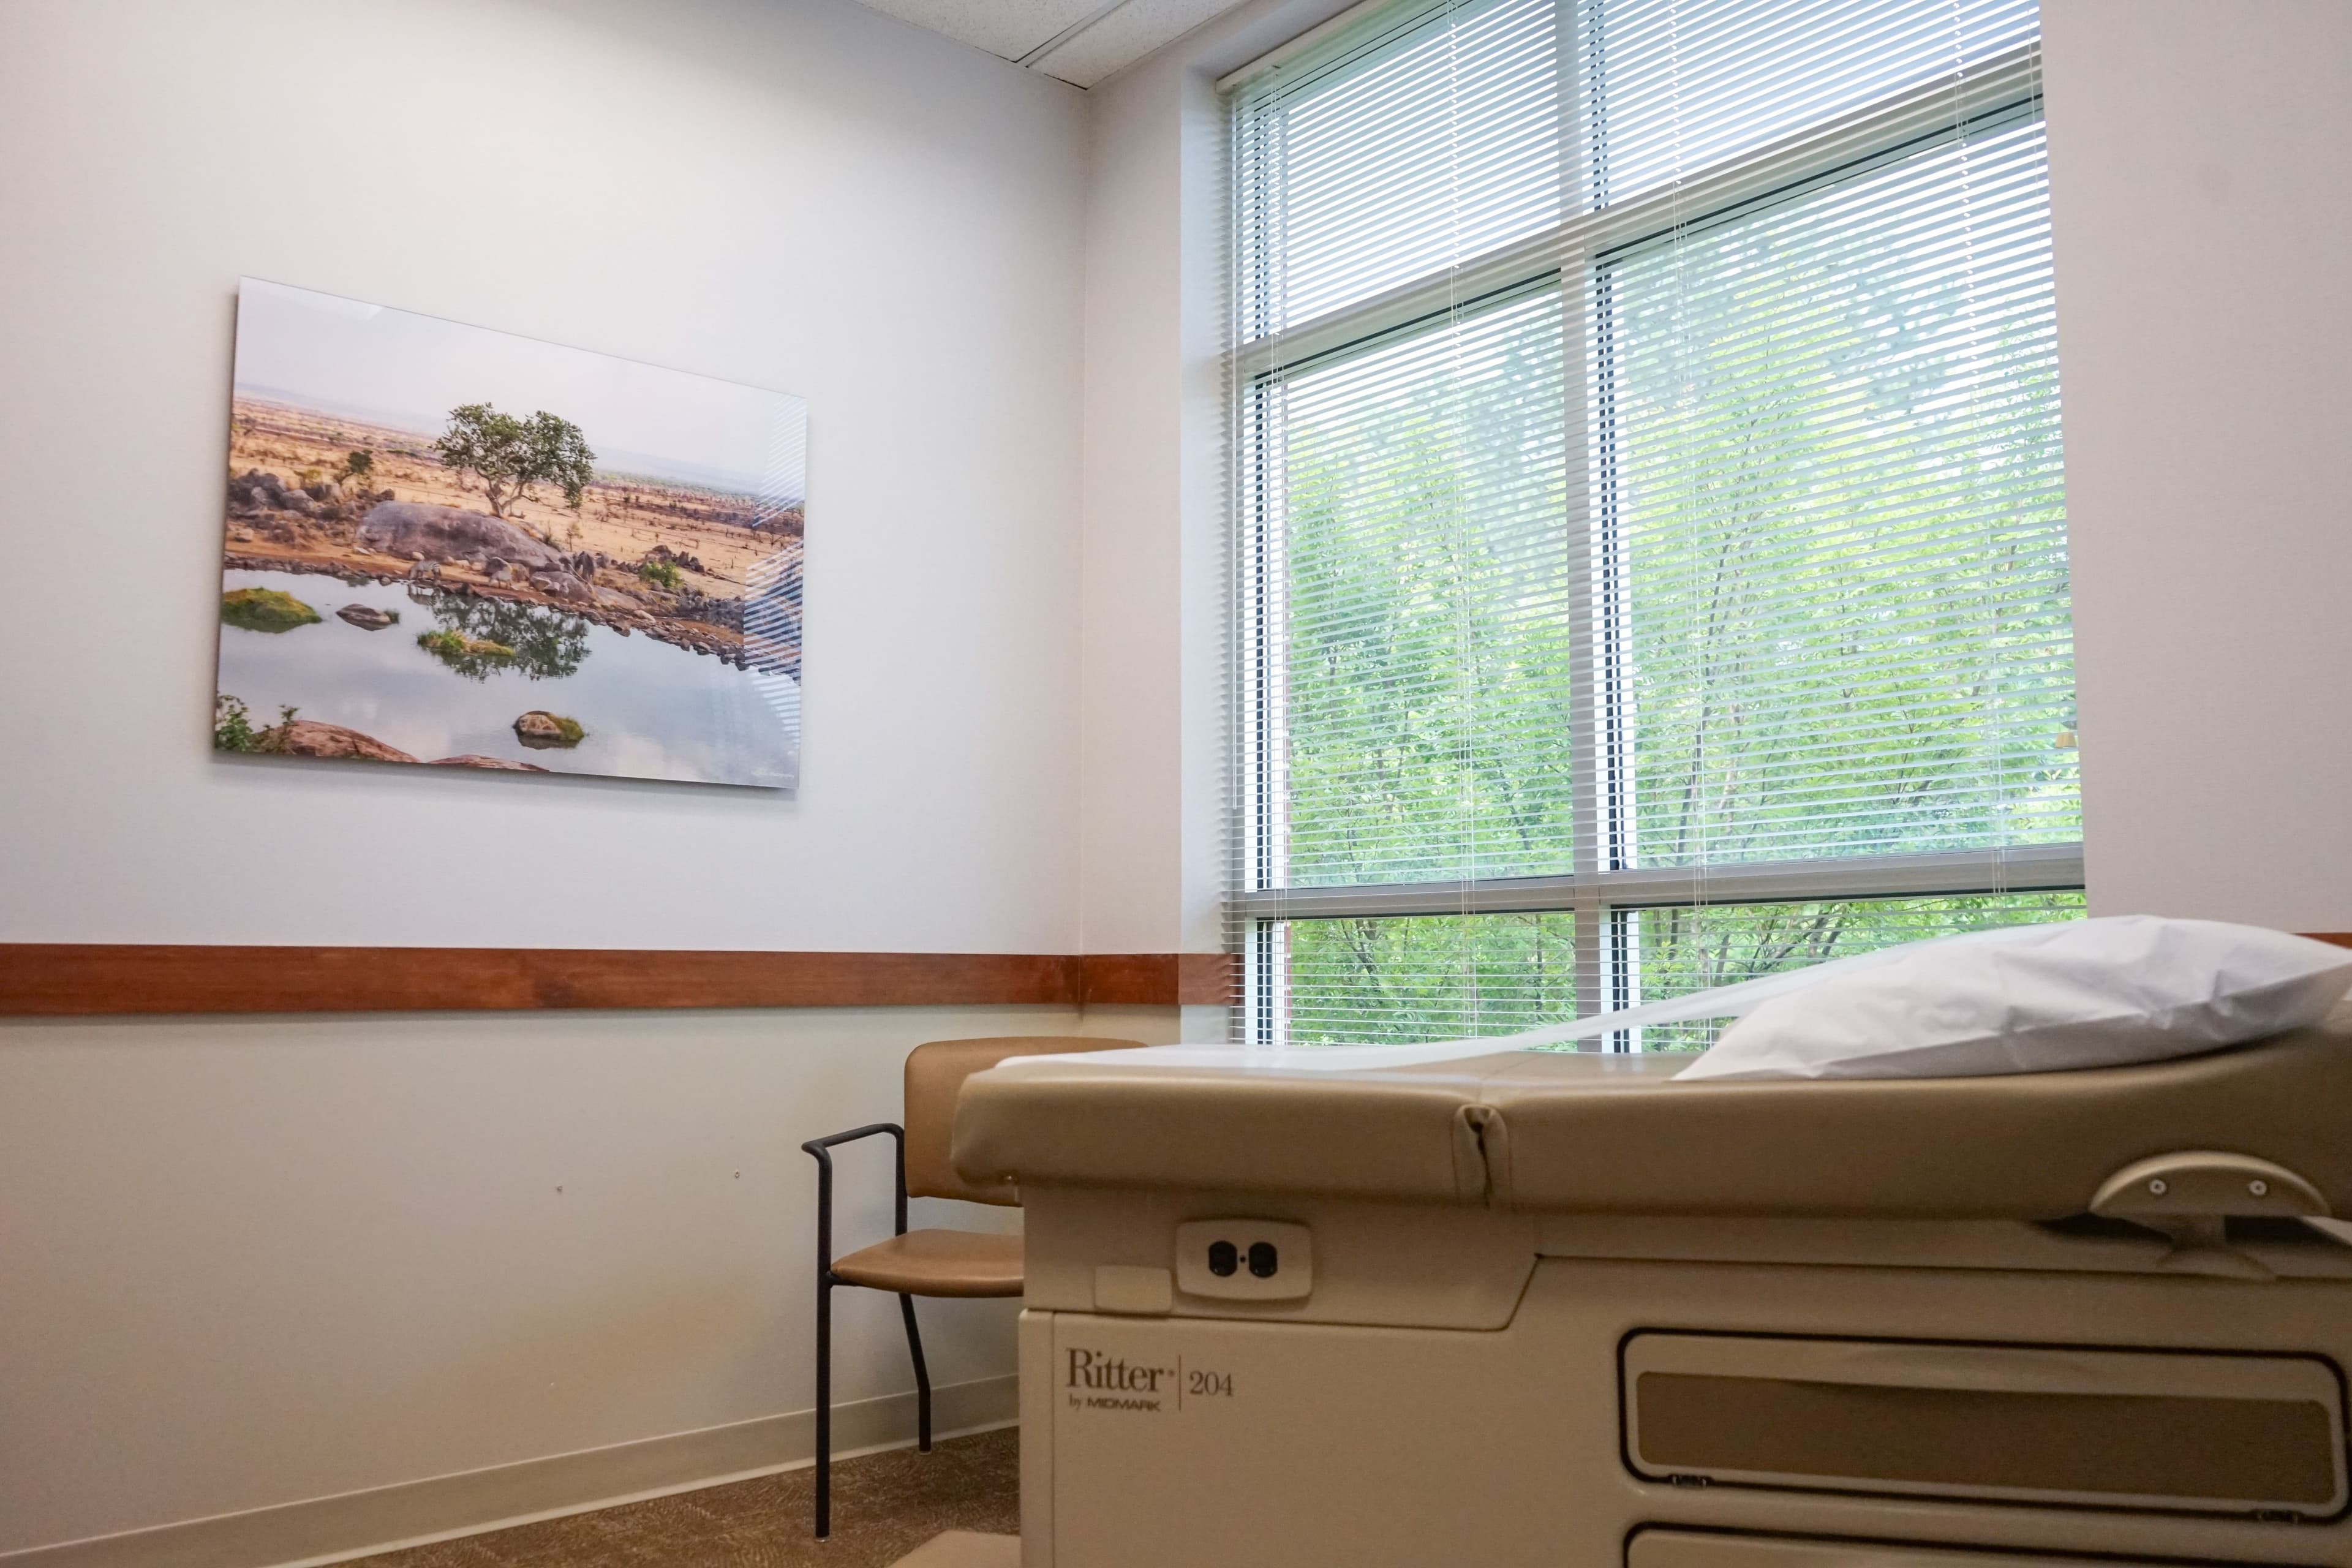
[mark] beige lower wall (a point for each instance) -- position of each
(249, 1262)
(414, 1513)
(1152, 1026)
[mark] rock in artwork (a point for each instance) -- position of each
(468, 548)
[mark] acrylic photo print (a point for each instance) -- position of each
(463, 548)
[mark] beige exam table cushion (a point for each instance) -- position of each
(1596, 1133)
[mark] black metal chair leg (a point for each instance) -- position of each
(824, 1404)
(821, 1151)
(922, 1376)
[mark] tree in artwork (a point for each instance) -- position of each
(510, 456)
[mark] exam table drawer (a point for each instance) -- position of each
(1692, 1549)
(2133, 1429)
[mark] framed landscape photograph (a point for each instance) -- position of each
(462, 548)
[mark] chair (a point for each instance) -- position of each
(923, 1262)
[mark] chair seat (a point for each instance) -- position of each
(936, 1263)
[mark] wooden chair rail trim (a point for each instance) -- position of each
(69, 978)
(84, 979)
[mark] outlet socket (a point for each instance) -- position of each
(1244, 1259)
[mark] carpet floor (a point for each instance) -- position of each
(884, 1506)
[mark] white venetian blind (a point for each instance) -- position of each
(1647, 456)
(1673, 87)
(1830, 466)
(1421, 683)
(1411, 482)
(1402, 149)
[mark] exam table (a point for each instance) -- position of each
(1557, 1308)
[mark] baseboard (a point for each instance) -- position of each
(410, 1513)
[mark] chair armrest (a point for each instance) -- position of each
(817, 1146)
(821, 1151)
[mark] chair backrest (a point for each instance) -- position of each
(935, 1075)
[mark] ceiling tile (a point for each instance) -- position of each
(1007, 27)
(1126, 36)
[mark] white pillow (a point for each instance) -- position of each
(2083, 994)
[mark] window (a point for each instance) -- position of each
(1650, 560)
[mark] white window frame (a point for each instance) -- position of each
(1603, 889)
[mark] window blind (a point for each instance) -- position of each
(1404, 148)
(1423, 689)
(1650, 550)
(1672, 87)
(1828, 483)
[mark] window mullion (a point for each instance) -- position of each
(1945, 873)
(1575, 303)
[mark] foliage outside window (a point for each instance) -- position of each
(1652, 553)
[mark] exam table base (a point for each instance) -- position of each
(1177, 1441)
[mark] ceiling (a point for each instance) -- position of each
(1079, 41)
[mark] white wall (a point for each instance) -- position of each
(1130, 820)
(1153, 863)
(249, 1261)
(2201, 187)
(796, 194)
